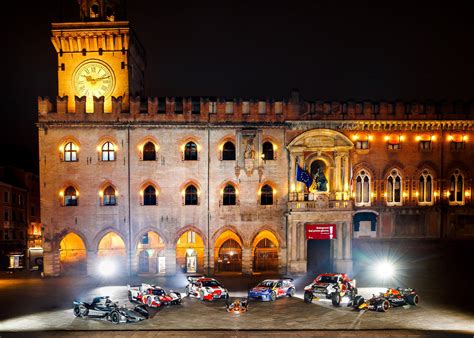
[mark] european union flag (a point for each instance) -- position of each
(303, 176)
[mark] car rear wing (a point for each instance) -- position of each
(194, 278)
(288, 279)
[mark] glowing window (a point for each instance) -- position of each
(394, 188)
(394, 142)
(456, 188)
(229, 197)
(362, 141)
(425, 188)
(108, 151)
(149, 152)
(70, 152)
(109, 196)
(362, 189)
(70, 197)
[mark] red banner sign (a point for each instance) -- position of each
(320, 231)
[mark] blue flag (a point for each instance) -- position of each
(303, 176)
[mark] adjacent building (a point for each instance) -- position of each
(162, 185)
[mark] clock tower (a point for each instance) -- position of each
(98, 56)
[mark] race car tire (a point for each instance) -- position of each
(115, 317)
(77, 311)
(358, 301)
(413, 299)
(383, 306)
(201, 295)
(308, 297)
(186, 290)
(273, 296)
(336, 299)
(226, 296)
(149, 302)
(291, 292)
(355, 292)
(130, 298)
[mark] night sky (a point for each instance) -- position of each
(330, 50)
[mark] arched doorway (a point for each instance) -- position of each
(150, 253)
(111, 254)
(265, 252)
(228, 252)
(72, 255)
(190, 252)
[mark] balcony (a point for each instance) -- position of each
(319, 202)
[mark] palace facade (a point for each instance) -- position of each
(163, 185)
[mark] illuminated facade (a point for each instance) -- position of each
(195, 184)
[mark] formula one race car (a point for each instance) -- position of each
(271, 289)
(104, 308)
(386, 300)
(238, 306)
(152, 295)
(205, 288)
(334, 286)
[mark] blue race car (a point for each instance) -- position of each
(271, 289)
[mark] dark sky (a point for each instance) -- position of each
(330, 50)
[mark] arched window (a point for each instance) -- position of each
(149, 152)
(149, 195)
(70, 152)
(228, 151)
(108, 151)
(362, 189)
(267, 151)
(191, 195)
(109, 196)
(394, 188)
(70, 197)
(190, 151)
(456, 188)
(228, 197)
(266, 195)
(425, 188)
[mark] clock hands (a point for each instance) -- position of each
(94, 81)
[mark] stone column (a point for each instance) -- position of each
(170, 256)
(338, 174)
(51, 264)
(346, 176)
(247, 261)
(348, 240)
(282, 261)
(91, 263)
(292, 177)
(300, 186)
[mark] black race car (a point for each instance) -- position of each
(104, 308)
(386, 300)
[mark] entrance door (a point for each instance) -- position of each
(143, 264)
(319, 256)
(191, 264)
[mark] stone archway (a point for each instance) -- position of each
(72, 254)
(190, 252)
(111, 255)
(150, 253)
(228, 252)
(265, 252)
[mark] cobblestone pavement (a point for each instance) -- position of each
(46, 305)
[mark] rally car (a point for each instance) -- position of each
(104, 308)
(386, 300)
(271, 289)
(205, 288)
(152, 295)
(334, 286)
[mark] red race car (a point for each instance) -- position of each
(152, 295)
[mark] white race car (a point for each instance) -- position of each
(152, 295)
(205, 288)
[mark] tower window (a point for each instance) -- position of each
(394, 188)
(228, 151)
(425, 188)
(149, 195)
(266, 195)
(70, 152)
(229, 197)
(456, 188)
(190, 151)
(191, 195)
(109, 196)
(267, 151)
(108, 151)
(362, 189)
(70, 197)
(149, 152)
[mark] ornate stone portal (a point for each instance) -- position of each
(324, 154)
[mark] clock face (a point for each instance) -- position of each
(93, 78)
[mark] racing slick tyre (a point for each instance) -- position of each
(383, 306)
(413, 299)
(115, 317)
(273, 296)
(291, 293)
(336, 299)
(77, 311)
(308, 297)
(358, 301)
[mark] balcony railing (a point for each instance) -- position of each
(319, 205)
